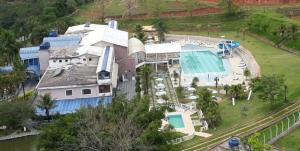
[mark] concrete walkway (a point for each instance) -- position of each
(19, 135)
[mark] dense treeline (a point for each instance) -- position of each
(25, 23)
(31, 20)
(123, 125)
(278, 29)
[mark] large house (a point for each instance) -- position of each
(81, 67)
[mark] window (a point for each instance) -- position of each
(86, 91)
(90, 59)
(68, 92)
(103, 75)
(60, 60)
(104, 88)
(84, 59)
(54, 61)
(66, 60)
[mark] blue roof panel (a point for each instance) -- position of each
(62, 41)
(66, 106)
(105, 59)
(29, 53)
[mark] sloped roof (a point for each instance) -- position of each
(108, 35)
(29, 53)
(66, 106)
(78, 28)
(135, 45)
(70, 76)
(63, 40)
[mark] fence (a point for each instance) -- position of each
(280, 129)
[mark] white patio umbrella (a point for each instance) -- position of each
(191, 89)
(192, 97)
(160, 86)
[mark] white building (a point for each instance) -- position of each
(82, 67)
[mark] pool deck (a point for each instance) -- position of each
(234, 76)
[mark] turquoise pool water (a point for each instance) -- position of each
(176, 121)
(196, 59)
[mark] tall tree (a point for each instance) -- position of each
(269, 88)
(161, 29)
(208, 107)
(46, 103)
(175, 75)
(146, 75)
(139, 33)
(236, 91)
(247, 73)
(216, 79)
(13, 114)
(122, 125)
(8, 46)
(226, 88)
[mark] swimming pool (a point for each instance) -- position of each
(176, 121)
(197, 59)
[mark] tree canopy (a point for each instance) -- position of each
(269, 88)
(209, 107)
(120, 126)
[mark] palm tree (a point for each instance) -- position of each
(226, 88)
(195, 81)
(46, 103)
(139, 33)
(209, 107)
(217, 81)
(166, 98)
(146, 74)
(161, 29)
(236, 91)
(21, 74)
(247, 73)
(175, 75)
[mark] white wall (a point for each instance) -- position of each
(43, 60)
(60, 93)
(55, 63)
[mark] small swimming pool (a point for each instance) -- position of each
(176, 120)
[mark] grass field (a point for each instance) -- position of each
(290, 142)
(114, 8)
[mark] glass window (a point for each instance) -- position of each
(104, 88)
(54, 61)
(69, 92)
(90, 59)
(66, 60)
(60, 60)
(86, 91)
(84, 59)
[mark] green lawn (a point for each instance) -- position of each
(290, 142)
(115, 8)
